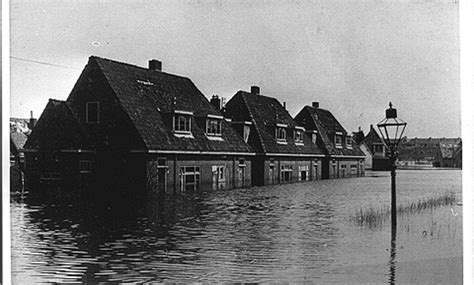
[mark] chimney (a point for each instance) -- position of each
(216, 102)
(315, 104)
(154, 65)
(32, 121)
(255, 90)
(284, 105)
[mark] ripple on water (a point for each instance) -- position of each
(287, 233)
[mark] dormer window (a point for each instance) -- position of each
(281, 133)
(298, 135)
(92, 112)
(349, 142)
(214, 125)
(338, 140)
(182, 122)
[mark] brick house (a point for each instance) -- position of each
(375, 145)
(125, 126)
(343, 157)
(284, 153)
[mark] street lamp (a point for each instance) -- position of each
(392, 129)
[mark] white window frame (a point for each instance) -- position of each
(286, 168)
(349, 142)
(183, 172)
(218, 131)
(187, 123)
(303, 168)
(336, 137)
(280, 134)
(87, 112)
(298, 136)
(353, 169)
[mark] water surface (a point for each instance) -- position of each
(286, 233)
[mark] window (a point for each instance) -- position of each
(286, 173)
(298, 136)
(85, 166)
(338, 140)
(281, 134)
(219, 172)
(213, 127)
(50, 176)
(246, 133)
(315, 169)
(314, 138)
(303, 173)
(189, 178)
(378, 148)
(349, 142)
(353, 169)
(92, 112)
(182, 124)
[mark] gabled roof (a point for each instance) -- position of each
(17, 141)
(327, 126)
(265, 113)
(148, 96)
(372, 138)
(58, 128)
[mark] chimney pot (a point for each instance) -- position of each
(216, 102)
(316, 104)
(154, 65)
(255, 90)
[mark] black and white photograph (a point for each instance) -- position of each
(212, 141)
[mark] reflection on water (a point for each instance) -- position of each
(294, 233)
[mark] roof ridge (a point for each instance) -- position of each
(136, 66)
(253, 121)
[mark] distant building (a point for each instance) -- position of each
(343, 157)
(431, 152)
(377, 156)
(284, 152)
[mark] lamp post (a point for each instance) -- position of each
(391, 129)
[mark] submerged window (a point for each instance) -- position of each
(303, 174)
(353, 169)
(219, 172)
(85, 166)
(189, 178)
(92, 112)
(286, 173)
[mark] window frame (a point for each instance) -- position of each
(195, 173)
(218, 131)
(186, 124)
(86, 170)
(338, 137)
(281, 134)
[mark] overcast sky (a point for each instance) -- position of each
(353, 57)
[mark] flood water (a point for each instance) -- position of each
(287, 233)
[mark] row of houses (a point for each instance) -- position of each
(128, 127)
(432, 152)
